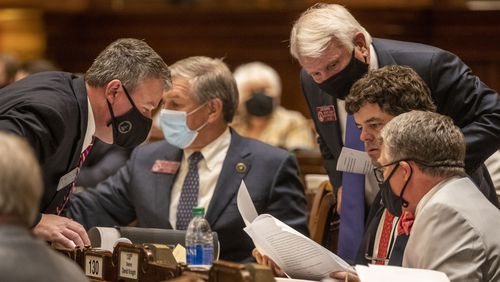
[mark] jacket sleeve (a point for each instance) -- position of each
(286, 200)
(107, 204)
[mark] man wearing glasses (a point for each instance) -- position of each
(373, 101)
(422, 171)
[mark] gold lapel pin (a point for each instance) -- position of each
(241, 167)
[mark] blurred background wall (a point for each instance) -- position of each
(72, 32)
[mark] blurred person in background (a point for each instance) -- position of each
(8, 69)
(260, 115)
(23, 257)
(35, 66)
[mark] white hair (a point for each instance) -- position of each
(322, 25)
(21, 182)
(257, 74)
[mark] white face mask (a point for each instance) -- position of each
(175, 129)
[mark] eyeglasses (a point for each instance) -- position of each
(379, 171)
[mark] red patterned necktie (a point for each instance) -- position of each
(83, 155)
(405, 223)
(385, 238)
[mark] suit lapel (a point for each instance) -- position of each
(81, 97)
(329, 130)
(229, 179)
(164, 182)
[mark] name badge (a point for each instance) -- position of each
(164, 166)
(326, 113)
(68, 178)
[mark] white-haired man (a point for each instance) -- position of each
(335, 51)
(25, 258)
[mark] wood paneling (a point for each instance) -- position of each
(75, 39)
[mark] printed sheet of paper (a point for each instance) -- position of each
(299, 256)
(354, 161)
(387, 273)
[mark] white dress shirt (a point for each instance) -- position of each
(209, 169)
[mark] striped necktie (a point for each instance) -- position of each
(83, 156)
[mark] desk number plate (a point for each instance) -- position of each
(93, 266)
(129, 265)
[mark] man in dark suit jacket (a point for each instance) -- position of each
(149, 187)
(60, 114)
(340, 51)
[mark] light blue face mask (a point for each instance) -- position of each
(175, 129)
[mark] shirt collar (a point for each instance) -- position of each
(211, 152)
(90, 127)
(373, 58)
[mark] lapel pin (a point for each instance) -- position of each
(241, 167)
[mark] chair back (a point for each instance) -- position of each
(323, 218)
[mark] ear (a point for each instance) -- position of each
(360, 43)
(407, 169)
(215, 107)
(111, 90)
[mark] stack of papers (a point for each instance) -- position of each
(298, 256)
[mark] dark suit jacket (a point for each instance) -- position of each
(103, 160)
(457, 93)
(50, 110)
(135, 192)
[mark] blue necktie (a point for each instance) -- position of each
(189, 193)
(352, 213)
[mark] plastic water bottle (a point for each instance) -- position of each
(199, 240)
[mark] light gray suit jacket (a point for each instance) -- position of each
(26, 259)
(457, 231)
(136, 192)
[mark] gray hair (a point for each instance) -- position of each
(258, 73)
(209, 78)
(321, 25)
(429, 139)
(21, 183)
(129, 60)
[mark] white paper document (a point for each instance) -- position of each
(299, 256)
(387, 273)
(354, 161)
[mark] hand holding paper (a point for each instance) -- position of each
(296, 254)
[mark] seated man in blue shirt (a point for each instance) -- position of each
(194, 119)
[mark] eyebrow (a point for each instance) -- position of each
(372, 119)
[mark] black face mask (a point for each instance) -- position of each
(131, 128)
(391, 201)
(260, 104)
(340, 84)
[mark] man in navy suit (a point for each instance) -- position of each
(194, 119)
(60, 114)
(335, 51)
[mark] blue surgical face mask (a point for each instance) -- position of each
(175, 129)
